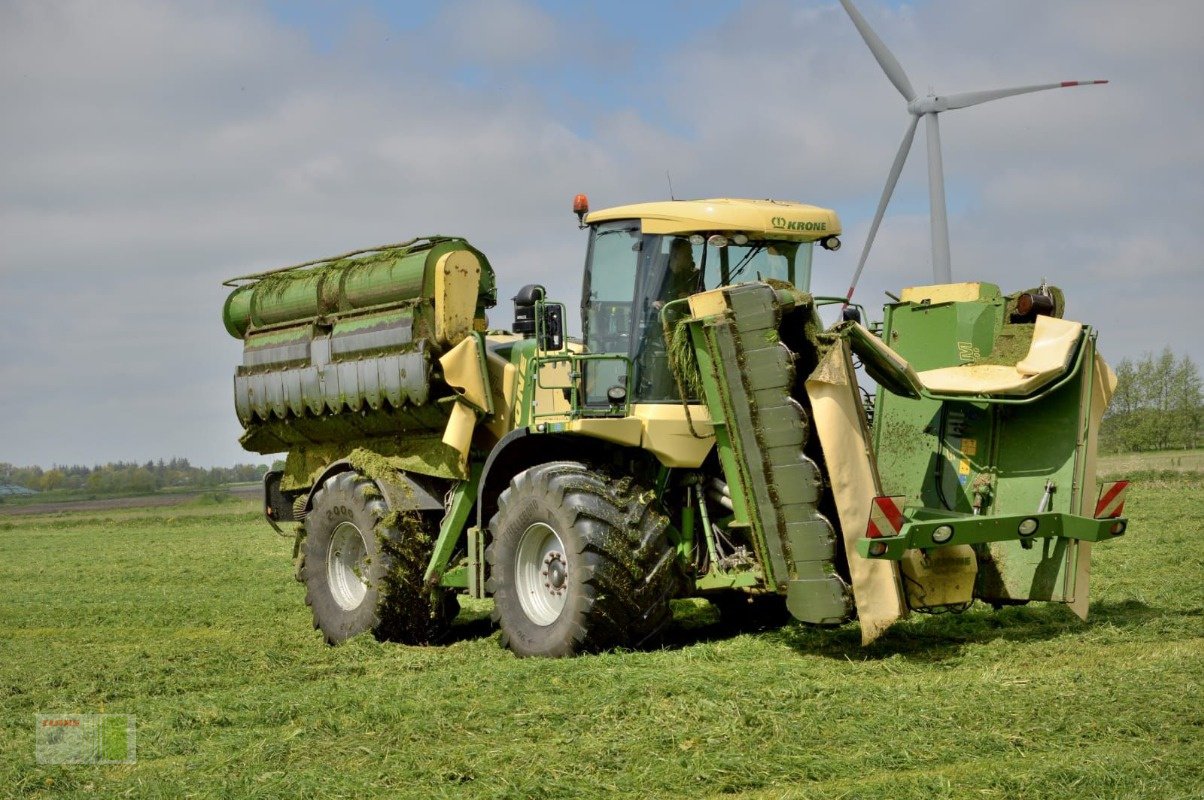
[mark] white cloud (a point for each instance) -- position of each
(499, 32)
(152, 149)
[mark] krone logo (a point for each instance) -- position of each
(781, 223)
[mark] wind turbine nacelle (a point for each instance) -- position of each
(929, 108)
(928, 105)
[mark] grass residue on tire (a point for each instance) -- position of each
(406, 610)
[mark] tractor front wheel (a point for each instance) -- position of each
(579, 562)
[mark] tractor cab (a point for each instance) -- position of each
(644, 257)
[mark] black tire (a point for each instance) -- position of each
(350, 534)
(608, 555)
(745, 612)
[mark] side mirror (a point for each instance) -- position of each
(851, 313)
(551, 328)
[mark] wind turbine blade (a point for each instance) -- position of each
(965, 99)
(942, 272)
(887, 191)
(890, 64)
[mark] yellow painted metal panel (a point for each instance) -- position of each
(1052, 347)
(457, 282)
(667, 433)
(458, 434)
(759, 219)
(1102, 388)
(462, 371)
(708, 304)
(627, 431)
(946, 292)
(840, 422)
(1049, 355)
(503, 383)
(939, 577)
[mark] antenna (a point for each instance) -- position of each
(928, 108)
(670, 180)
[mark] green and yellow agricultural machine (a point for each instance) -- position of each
(707, 436)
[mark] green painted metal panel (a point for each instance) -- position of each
(734, 580)
(883, 368)
(921, 444)
(289, 299)
(949, 455)
(275, 349)
(389, 280)
(345, 430)
(341, 351)
(1054, 530)
(236, 313)
(457, 578)
(749, 381)
(932, 335)
(451, 528)
(743, 467)
(808, 598)
(475, 583)
(373, 334)
(1036, 446)
(391, 276)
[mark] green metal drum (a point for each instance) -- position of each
(340, 349)
(357, 281)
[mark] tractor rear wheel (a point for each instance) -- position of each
(363, 567)
(579, 562)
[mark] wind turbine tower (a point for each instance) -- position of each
(927, 108)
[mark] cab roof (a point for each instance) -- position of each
(759, 219)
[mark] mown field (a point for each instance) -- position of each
(1160, 461)
(188, 618)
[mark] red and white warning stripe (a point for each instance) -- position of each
(1081, 83)
(1111, 501)
(886, 517)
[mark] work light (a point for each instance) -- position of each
(942, 534)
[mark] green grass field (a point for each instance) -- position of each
(188, 618)
(1120, 464)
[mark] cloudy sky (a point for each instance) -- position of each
(148, 150)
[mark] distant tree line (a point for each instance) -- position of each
(1156, 405)
(121, 476)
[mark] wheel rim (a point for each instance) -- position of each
(346, 564)
(541, 574)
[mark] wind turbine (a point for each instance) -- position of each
(927, 107)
